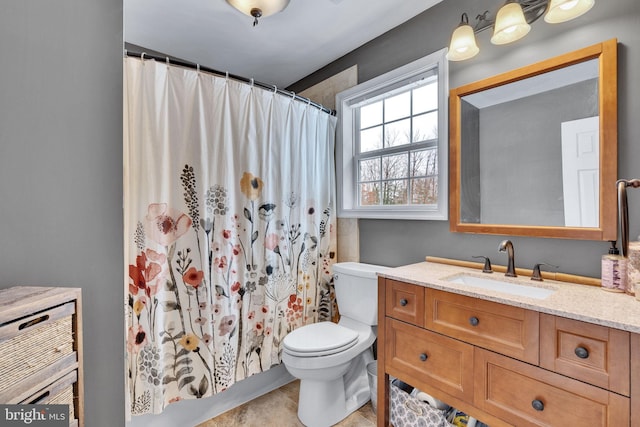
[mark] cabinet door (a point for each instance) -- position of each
(428, 360)
(525, 395)
(509, 330)
(405, 302)
(591, 353)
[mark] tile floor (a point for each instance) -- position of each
(278, 408)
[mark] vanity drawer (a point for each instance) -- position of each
(405, 302)
(512, 331)
(591, 353)
(429, 360)
(525, 395)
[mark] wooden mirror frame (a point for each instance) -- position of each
(606, 53)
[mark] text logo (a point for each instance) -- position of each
(34, 415)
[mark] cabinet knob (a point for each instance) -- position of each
(537, 405)
(424, 357)
(404, 302)
(582, 352)
(473, 321)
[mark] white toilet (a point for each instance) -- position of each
(331, 359)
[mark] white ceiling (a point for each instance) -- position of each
(280, 50)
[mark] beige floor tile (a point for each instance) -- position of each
(279, 408)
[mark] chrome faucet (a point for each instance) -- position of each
(506, 245)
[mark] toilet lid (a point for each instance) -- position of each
(319, 339)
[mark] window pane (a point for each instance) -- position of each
(394, 166)
(397, 133)
(424, 162)
(394, 192)
(425, 98)
(369, 194)
(371, 139)
(397, 107)
(424, 191)
(370, 169)
(371, 115)
(425, 127)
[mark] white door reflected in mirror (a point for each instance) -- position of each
(581, 171)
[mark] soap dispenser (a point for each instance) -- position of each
(614, 270)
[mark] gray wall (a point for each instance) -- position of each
(395, 242)
(61, 172)
(529, 190)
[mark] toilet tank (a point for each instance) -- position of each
(356, 287)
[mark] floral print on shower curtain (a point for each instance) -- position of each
(229, 229)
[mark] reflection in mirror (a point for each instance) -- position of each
(534, 151)
(554, 119)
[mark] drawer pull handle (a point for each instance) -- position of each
(537, 405)
(424, 357)
(403, 302)
(473, 321)
(32, 322)
(582, 352)
(39, 398)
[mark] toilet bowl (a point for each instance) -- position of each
(331, 359)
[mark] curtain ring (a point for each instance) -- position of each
(252, 82)
(226, 75)
(293, 95)
(275, 89)
(198, 68)
(308, 102)
(142, 56)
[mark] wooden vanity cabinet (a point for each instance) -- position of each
(591, 353)
(405, 302)
(509, 330)
(429, 359)
(505, 365)
(525, 395)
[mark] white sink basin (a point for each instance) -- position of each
(502, 286)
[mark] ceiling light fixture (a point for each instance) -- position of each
(259, 8)
(512, 23)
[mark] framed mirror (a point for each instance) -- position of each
(533, 152)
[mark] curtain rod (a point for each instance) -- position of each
(173, 61)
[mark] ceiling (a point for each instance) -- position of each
(281, 49)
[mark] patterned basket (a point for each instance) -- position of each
(407, 411)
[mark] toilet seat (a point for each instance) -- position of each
(319, 339)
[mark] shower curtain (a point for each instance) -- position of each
(229, 218)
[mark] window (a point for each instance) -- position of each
(392, 144)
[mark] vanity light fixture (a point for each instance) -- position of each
(259, 8)
(512, 23)
(463, 42)
(566, 10)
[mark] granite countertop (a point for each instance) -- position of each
(574, 301)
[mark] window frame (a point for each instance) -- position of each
(348, 103)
